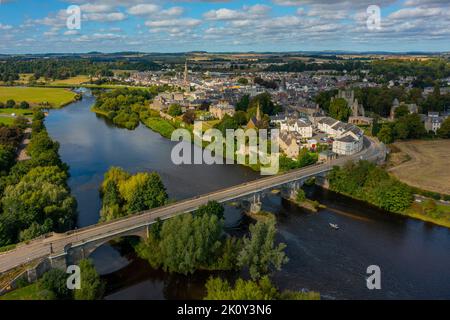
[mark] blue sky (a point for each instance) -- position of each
(32, 26)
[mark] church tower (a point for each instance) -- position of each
(258, 112)
(186, 74)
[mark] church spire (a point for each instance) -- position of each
(186, 74)
(258, 112)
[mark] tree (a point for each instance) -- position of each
(401, 111)
(92, 287)
(401, 130)
(227, 123)
(339, 109)
(10, 103)
(243, 81)
(55, 281)
(175, 110)
(386, 135)
(263, 289)
(264, 100)
(243, 103)
(240, 117)
(444, 130)
(24, 105)
(186, 243)
(143, 191)
(218, 289)
(259, 253)
(301, 196)
(189, 117)
(123, 194)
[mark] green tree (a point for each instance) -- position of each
(339, 109)
(243, 81)
(259, 253)
(301, 196)
(55, 281)
(10, 103)
(386, 135)
(243, 103)
(175, 110)
(92, 287)
(227, 123)
(264, 100)
(24, 105)
(444, 131)
(188, 242)
(263, 289)
(240, 117)
(401, 111)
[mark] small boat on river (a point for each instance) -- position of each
(334, 226)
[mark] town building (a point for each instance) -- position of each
(301, 126)
(358, 116)
(221, 109)
(348, 137)
(433, 121)
(289, 145)
(412, 108)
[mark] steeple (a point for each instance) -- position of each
(186, 74)
(258, 112)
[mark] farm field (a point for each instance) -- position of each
(6, 120)
(71, 81)
(55, 97)
(427, 167)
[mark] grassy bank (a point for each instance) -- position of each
(30, 292)
(438, 214)
(159, 125)
(41, 97)
(415, 212)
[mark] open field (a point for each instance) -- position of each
(427, 168)
(6, 120)
(71, 81)
(55, 97)
(30, 292)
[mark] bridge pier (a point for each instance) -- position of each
(323, 182)
(289, 192)
(256, 204)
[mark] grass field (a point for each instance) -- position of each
(6, 120)
(71, 81)
(36, 96)
(30, 292)
(426, 165)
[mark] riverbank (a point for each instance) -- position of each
(412, 212)
(39, 97)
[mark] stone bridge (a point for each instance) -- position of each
(69, 248)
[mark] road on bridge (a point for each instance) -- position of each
(55, 244)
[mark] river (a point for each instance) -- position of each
(414, 256)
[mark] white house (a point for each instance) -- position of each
(301, 126)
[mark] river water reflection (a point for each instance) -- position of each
(414, 257)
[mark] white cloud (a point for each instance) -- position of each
(144, 9)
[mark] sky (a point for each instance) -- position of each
(41, 26)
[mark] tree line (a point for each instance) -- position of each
(63, 68)
(365, 181)
(35, 197)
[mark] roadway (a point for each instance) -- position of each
(54, 244)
